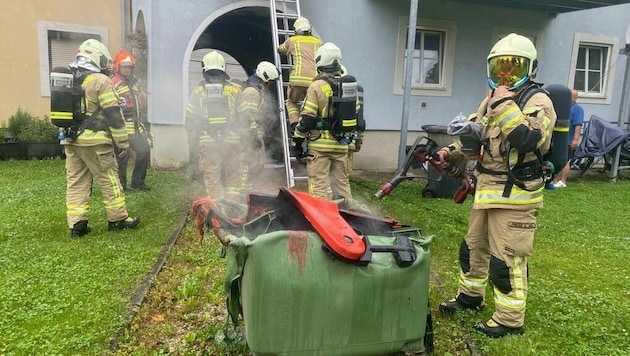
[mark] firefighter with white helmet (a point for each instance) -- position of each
(89, 143)
(328, 124)
(215, 128)
(301, 47)
(517, 124)
(256, 105)
(133, 104)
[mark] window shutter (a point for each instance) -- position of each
(63, 51)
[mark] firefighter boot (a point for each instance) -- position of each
(128, 223)
(79, 229)
(494, 330)
(462, 301)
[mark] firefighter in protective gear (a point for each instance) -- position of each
(301, 47)
(133, 103)
(509, 192)
(91, 155)
(255, 105)
(327, 154)
(214, 122)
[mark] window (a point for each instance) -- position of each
(433, 58)
(58, 44)
(427, 59)
(590, 67)
(590, 73)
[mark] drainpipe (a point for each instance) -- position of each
(123, 22)
(411, 42)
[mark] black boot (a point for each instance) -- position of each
(494, 330)
(128, 223)
(462, 301)
(79, 229)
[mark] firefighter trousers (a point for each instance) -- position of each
(328, 173)
(497, 245)
(295, 94)
(253, 163)
(221, 165)
(83, 164)
(139, 144)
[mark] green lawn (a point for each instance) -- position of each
(64, 296)
(67, 296)
(579, 274)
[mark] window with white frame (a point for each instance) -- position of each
(433, 58)
(590, 67)
(58, 45)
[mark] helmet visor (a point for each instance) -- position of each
(509, 71)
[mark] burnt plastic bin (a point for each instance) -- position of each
(447, 186)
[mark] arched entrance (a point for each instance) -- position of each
(244, 36)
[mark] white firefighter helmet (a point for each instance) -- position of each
(213, 60)
(328, 55)
(267, 72)
(512, 62)
(96, 52)
(302, 25)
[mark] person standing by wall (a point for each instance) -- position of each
(133, 103)
(301, 47)
(575, 131)
(328, 121)
(90, 154)
(509, 189)
(214, 119)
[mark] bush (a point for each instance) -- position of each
(30, 129)
(18, 121)
(39, 131)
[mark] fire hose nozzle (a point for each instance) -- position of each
(385, 190)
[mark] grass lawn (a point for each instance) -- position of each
(68, 296)
(64, 296)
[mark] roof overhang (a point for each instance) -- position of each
(549, 6)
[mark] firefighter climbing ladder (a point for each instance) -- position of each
(283, 13)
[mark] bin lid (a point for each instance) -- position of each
(434, 128)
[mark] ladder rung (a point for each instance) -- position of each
(286, 66)
(285, 15)
(286, 32)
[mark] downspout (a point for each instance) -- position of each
(123, 23)
(411, 41)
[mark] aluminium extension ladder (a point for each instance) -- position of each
(283, 13)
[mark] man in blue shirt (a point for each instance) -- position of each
(575, 130)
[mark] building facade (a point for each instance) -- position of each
(579, 49)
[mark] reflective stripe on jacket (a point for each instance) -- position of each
(538, 114)
(99, 95)
(302, 49)
(232, 127)
(316, 104)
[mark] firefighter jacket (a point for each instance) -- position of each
(317, 105)
(227, 126)
(252, 103)
(132, 102)
(302, 50)
(101, 129)
(508, 132)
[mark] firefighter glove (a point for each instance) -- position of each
(300, 150)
